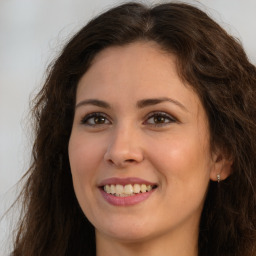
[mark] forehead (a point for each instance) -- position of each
(134, 71)
(143, 50)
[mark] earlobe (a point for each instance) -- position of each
(222, 169)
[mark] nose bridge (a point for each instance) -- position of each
(124, 145)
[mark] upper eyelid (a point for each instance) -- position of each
(151, 114)
(93, 114)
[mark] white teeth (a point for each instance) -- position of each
(143, 188)
(119, 189)
(107, 188)
(136, 188)
(112, 189)
(127, 190)
(149, 188)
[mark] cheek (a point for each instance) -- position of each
(82, 170)
(84, 159)
(186, 171)
(84, 154)
(181, 159)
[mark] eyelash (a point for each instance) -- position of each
(164, 115)
(85, 120)
(170, 119)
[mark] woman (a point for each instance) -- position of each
(145, 133)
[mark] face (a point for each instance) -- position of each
(139, 148)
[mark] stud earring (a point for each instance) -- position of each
(218, 178)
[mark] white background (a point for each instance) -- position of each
(32, 32)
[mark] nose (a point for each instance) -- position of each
(124, 148)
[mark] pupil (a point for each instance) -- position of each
(99, 120)
(159, 119)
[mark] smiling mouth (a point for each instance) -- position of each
(127, 190)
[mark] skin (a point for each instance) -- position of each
(174, 153)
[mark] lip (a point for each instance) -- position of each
(125, 181)
(128, 200)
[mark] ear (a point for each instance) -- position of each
(222, 167)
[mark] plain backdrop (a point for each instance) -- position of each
(32, 32)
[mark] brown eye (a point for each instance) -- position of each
(95, 119)
(160, 118)
(99, 120)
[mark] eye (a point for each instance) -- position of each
(160, 119)
(95, 119)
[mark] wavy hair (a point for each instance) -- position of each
(213, 63)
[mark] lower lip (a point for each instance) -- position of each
(128, 200)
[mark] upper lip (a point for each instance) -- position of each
(125, 181)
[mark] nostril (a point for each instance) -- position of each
(110, 161)
(123, 163)
(129, 160)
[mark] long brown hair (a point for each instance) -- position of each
(213, 63)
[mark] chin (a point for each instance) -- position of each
(128, 232)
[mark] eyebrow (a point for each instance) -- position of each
(155, 101)
(98, 103)
(140, 104)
